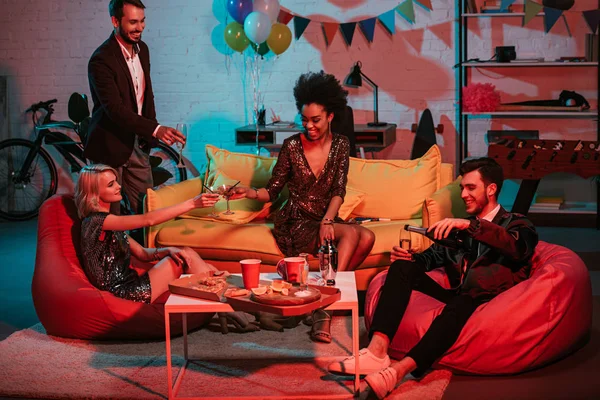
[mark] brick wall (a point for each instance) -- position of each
(45, 47)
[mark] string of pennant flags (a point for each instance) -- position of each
(406, 10)
(366, 26)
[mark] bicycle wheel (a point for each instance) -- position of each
(21, 198)
(168, 164)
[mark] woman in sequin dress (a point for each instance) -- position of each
(314, 165)
(108, 253)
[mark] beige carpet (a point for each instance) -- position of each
(35, 365)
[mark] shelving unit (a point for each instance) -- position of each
(462, 142)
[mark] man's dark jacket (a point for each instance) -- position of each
(115, 120)
(506, 246)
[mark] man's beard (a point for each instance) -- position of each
(127, 39)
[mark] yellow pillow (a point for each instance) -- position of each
(352, 199)
(395, 188)
(445, 203)
(250, 170)
(244, 210)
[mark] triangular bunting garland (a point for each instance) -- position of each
(505, 3)
(368, 28)
(329, 30)
(531, 10)
(300, 25)
(426, 4)
(348, 32)
(388, 20)
(407, 11)
(592, 17)
(284, 17)
(552, 15)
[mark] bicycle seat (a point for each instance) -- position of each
(78, 107)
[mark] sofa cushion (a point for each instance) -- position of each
(250, 170)
(352, 199)
(440, 205)
(395, 188)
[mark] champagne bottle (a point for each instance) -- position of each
(455, 239)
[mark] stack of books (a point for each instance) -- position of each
(547, 203)
(494, 6)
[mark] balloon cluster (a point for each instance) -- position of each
(255, 23)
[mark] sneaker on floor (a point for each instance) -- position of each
(382, 382)
(368, 363)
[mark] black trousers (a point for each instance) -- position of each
(403, 277)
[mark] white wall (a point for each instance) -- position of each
(45, 47)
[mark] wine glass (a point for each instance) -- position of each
(213, 211)
(225, 191)
(181, 127)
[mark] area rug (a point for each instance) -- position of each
(260, 364)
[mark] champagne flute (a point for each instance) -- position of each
(181, 127)
(405, 241)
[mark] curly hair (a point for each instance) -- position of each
(320, 88)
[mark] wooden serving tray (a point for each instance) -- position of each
(188, 286)
(328, 295)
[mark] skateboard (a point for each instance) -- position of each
(425, 134)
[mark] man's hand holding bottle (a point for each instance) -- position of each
(441, 229)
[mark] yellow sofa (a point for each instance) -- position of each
(416, 192)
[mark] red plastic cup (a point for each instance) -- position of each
(250, 272)
(290, 268)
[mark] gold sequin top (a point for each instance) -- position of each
(297, 224)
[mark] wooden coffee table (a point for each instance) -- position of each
(183, 304)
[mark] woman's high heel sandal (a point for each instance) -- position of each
(320, 330)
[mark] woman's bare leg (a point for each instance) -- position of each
(165, 271)
(347, 238)
(195, 263)
(366, 240)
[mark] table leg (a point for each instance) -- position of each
(355, 349)
(168, 344)
(185, 336)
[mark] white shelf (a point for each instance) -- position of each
(531, 64)
(499, 14)
(569, 114)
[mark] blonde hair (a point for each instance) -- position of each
(88, 188)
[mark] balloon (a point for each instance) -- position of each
(257, 27)
(235, 37)
(261, 49)
(280, 38)
(269, 7)
(239, 9)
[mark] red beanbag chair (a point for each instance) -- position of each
(534, 323)
(66, 302)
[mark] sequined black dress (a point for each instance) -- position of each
(297, 224)
(106, 261)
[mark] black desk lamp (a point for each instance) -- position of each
(355, 80)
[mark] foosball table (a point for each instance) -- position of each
(531, 160)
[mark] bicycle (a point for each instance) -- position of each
(28, 174)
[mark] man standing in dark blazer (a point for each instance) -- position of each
(497, 252)
(123, 128)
